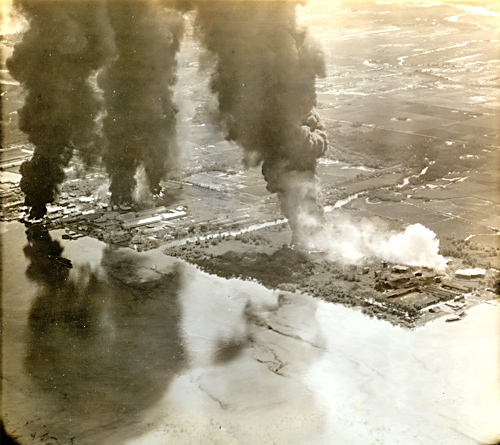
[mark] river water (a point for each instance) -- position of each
(141, 348)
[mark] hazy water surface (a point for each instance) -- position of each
(142, 348)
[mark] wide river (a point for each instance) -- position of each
(141, 348)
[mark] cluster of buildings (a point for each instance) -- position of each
(142, 229)
(11, 196)
(425, 287)
(222, 224)
(470, 274)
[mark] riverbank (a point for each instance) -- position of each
(410, 297)
(151, 351)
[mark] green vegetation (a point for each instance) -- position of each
(384, 195)
(356, 149)
(253, 237)
(472, 254)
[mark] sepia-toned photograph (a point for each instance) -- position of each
(250, 222)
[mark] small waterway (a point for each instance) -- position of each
(342, 202)
(141, 348)
(406, 180)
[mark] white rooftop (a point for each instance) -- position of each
(470, 272)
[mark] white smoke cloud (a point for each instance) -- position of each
(353, 242)
(103, 193)
(142, 193)
(12, 22)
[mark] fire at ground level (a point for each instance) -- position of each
(201, 219)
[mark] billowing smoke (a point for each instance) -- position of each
(12, 21)
(142, 193)
(353, 242)
(141, 114)
(66, 42)
(265, 83)
(133, 45)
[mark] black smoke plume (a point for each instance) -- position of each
(265, 83)
(264, 80)
(66, 42)
(141, 114)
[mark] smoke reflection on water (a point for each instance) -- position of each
(100, 350)
(173, 359)
(107, 340)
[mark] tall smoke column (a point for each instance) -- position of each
(141, 114)
(265, 83)
(66, 42)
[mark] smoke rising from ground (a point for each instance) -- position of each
(264, 81)
(133, 46)
(352, 242)
(141, 114)
(65, 43)
(265, 84)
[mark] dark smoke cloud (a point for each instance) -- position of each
(141, 114)
(66, 42)
(133, 44)
(264, 80)
(265, 84)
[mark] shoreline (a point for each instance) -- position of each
(232, 265)
(309, 275)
